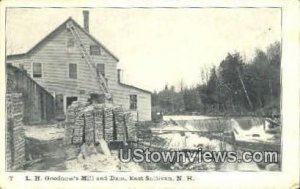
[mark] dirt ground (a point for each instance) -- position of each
(45, 150)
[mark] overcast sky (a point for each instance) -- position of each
(156, 46)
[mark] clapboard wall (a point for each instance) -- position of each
(122, 95)
(54, 55)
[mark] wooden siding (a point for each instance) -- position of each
(121, 97)
(38, 103)
(55, 57)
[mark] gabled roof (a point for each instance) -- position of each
(133, 87)
(35, 47)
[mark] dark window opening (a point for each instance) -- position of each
(95, 50)
(70, 42)
(133, 102)
(73, 71)
(101, 69)
(70, 100)
(59, 107)
(37, 70)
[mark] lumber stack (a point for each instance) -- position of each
(108, 120)
(120, 123)
(130, 126)
(89, 124)
(77, 136)
(99, 122)
(68, 133)
(15, 135)
(93, 122)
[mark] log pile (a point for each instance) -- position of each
(108, 126)
(130, 126)
(92, 122)
(78, 129)
(89, 122)
(15, 135)
(119, 122)
(99, 122)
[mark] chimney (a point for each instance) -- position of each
(86, 20)
(119, 75)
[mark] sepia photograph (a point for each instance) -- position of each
(143, 89)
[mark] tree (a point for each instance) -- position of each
(192, 100)
(234, 86)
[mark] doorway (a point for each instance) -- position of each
(59, 107)
(70, 100)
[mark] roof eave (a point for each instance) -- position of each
(52, 32)
(134, 87)
(13, 56)
(95, 40)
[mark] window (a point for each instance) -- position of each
(70, 100)
(73, 71)
(37, 70)
(101, 69)
(94, 50)
(133, 102)
(70, 42)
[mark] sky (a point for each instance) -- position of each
(156, 46)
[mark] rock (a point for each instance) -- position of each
(102, 147)
(251, 166)
(272, 167)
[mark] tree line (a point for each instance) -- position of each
(235, 87)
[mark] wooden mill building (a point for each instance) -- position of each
(58, 65)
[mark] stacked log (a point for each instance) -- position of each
(91, 123)
(108, 120)
(130, 126)
(75, 122)
(69, 129)
(77, 137)
(120, 123)
(15, 135)
(71, 114)
(99, 122)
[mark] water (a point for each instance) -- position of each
(186, 117)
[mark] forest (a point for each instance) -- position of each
(234, 87)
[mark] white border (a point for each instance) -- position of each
(288, 178)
